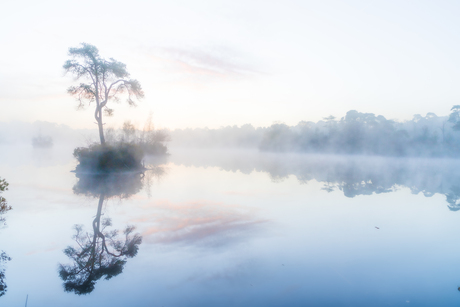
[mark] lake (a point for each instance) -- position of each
(238, 228)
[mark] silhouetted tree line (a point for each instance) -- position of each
(368, 134)
(355, 133)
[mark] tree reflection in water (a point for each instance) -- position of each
(99, 254)
(103, 252)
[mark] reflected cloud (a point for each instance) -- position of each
(201, 224)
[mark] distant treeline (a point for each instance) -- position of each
(355, 133)
(365, 133)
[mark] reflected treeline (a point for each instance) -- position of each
(353, 175)
(103, 252)
(4, 207)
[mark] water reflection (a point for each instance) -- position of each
(121, 185)
(103, 252)
(353, 175)
(202, 224)
(98, 254)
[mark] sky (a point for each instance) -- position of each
(219, 63)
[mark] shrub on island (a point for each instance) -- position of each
(107, 158)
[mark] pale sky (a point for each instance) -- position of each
(219, 63)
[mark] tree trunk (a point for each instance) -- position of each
(101, 131)
(98, 117)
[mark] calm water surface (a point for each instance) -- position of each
(240, 228)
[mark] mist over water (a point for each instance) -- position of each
(233, 227)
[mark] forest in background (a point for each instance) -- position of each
(354, 134)
(367, 134)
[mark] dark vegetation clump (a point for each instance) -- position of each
(107, 158)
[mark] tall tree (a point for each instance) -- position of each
(105, 80)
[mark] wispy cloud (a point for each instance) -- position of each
(205, 63)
